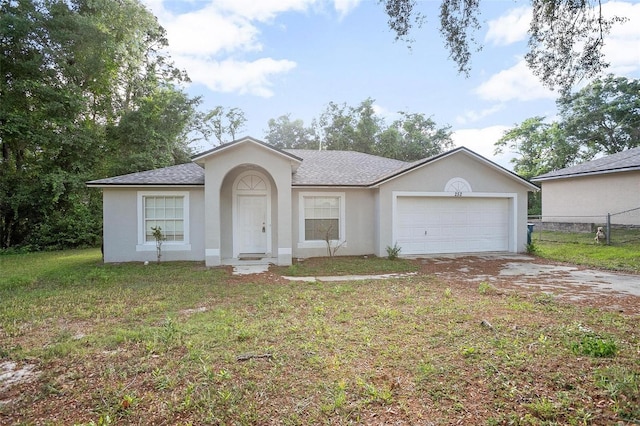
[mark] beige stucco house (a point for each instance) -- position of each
(248, 200)
(587, 192)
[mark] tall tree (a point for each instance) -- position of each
(236, 120)
(341, 127)
(540, 147)
(284, 133)
(219, 122)
(153, 135)
(565, 36)
(603, 117)
(337, 127)
(367, 127)
(74, 71)
(420, 137)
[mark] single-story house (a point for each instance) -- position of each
(587, 192)
(247, 199)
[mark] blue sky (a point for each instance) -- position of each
(276, 57)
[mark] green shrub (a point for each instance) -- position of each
(594, 346)
(393, 252)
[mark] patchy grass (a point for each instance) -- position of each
(580, 249)
(134, 344)
(347, 265)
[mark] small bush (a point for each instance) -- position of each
(595, 347)
(486, 288)
(393, 252)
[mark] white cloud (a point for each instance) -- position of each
(236, 76)
(622, 45)
(470, 116)
(509, 28)
(482, 142)
(208, 32)
(263, 10)
(385, 113)
(343, 7)
(208, 40)
(515, 83)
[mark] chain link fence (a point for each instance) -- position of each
(618, 228)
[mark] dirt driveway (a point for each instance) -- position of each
(589, 287)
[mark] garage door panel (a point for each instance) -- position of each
(452, 225)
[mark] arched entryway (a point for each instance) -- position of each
(251, 214)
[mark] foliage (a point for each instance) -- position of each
(602, 118)
(531, 248)
(566, 41)
(565, 37)
(220, 122)
(540, 147)
(393, 252)
(285, 133)
(86, 93)
(341, 127)
(158, 235)
(595, 346)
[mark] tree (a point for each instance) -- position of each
(336, 127)
(341, 127)
(236, 120)
(541, 148)
(419, 138)
(153, 135)
(367, 127)
(565, 36)
(220, 123)
(73, 73)
(284, 133)
(603, 117)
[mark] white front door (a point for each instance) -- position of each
(252, 224)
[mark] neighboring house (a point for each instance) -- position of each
(587, 192)
(246, 199)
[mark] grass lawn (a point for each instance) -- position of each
(180, 344)
(623, 254)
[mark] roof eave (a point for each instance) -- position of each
(324, 186)
(435, 158)
(593, 173)
(199, 157)
(144, 185)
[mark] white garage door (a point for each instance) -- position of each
(452, 225)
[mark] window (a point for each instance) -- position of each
(321, 215)
(168, 210)
(164, 212)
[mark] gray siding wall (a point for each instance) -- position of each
(121, 226)
(360, 223)
(589, 199)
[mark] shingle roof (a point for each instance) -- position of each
(341, 168)
(316, 168)
(182, 174)
(624, 161)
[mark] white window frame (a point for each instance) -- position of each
(166, 245)
(302, 243)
